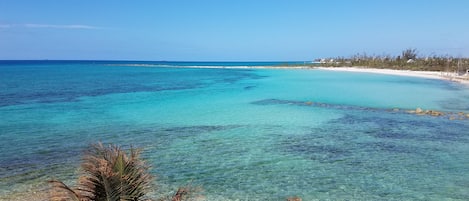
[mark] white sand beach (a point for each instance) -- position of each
(423, 74)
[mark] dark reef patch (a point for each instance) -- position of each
(433, 113)
(57, 83)
(347, 138)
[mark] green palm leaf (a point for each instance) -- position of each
(109, 174)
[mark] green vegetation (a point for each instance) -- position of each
(111, 174)
(407, 60)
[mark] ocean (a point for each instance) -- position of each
(237, 133)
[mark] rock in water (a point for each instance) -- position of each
(418, 110)
(435, 113)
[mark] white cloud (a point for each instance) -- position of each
(53, 26)
(48, 26)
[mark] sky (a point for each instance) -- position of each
(230, 30)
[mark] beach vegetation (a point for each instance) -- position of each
(409, 59)
(410, 53)
(109, 173)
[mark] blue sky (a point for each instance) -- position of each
(236, 30)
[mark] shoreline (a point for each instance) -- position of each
(447, 76)
(421, 74)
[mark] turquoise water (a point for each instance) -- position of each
(240, 134)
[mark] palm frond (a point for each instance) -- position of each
(113, 171)
(109, 174)
(61, 192)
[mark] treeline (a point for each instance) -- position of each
(407, 60)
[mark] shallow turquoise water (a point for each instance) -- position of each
(240, 134)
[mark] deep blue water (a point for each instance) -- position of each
(64, 82)
(240, 134)
(160, 63)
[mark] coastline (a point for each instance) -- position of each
(448, 76)
(422, 74)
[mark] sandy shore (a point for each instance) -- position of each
(422, 74)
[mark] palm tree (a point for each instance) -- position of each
(109, 174)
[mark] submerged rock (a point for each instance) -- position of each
(419, 110)
(434, 113)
